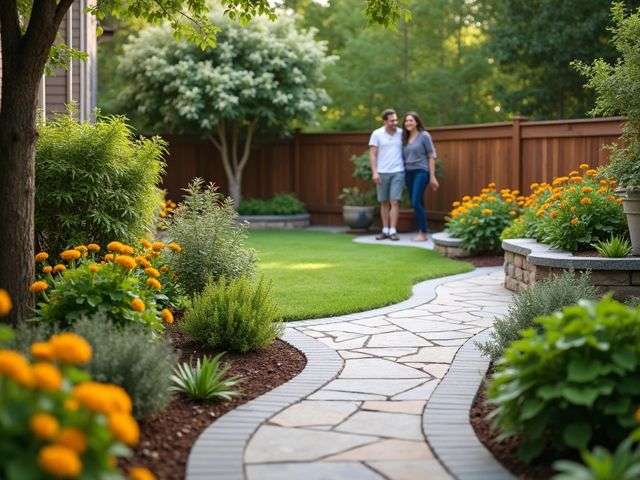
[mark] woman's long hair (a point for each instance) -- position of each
(419, 126)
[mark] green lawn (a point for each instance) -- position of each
(318, 274)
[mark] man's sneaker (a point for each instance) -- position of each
(394, 237)
(382, 236)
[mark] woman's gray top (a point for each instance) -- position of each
(416, 154)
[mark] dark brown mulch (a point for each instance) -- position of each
(505, 450)
(167, 437)
(488, 260)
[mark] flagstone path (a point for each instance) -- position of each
(366, 423)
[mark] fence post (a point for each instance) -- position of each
(516, 149)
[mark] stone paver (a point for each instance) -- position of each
(393, 360)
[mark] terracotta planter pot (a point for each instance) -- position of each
(406, 221)
(631, 207)
(358, 218)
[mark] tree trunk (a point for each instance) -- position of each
(235, 190)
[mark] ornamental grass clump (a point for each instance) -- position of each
(55, 421)
(233, 315)
(573, 383)
(478, 221)
(206, 380)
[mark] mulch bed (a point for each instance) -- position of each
(166, 438)
(505, 450)
(488, 260)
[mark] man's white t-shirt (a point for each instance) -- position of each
(389, 150)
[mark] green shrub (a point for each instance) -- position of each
(541, 298)
(354, 197)
(109, 292)
(95, 182)
(575, 383)
(616, 247)
(283, 204)
(235, 315)
(205, 380)
(479, 221)
(213, 243)
(516, 229)
(133, 358)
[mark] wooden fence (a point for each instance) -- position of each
(316, 166)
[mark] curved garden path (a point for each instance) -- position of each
(356, 412)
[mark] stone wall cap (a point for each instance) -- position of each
(445, 239)
(274, 218)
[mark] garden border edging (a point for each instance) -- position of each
(446, 423)
(298, 220)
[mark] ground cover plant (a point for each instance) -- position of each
(316, 274)
(573, 384)
(283, 204)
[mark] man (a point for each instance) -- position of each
(387, 167)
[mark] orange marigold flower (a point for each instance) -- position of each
(157, 246)
(587, 189)
(41, 351)
(41, 257)
(59, 268)
(94, 268)
(146, 243)
(554, 214)
(72, 438)
(44, 426)
(585, 201)
(164, 269)
(175, 247)
(114, 246)
(93, 247)
(486, 212)
(574, 173)
(82, 249)
(71, 404)
(137, 305)
(69, 255)
(14, 366)
(71, 348)
(591, 173)
(5, 303)
(126, 261)
(60, 461)
(47, 269)
(127, 249)
(455, 204)
(154, 283)
(152, 272)
(109, 257)
(584, 166)
(141, 473)
(142, 261)
(576, 179)
(124, 428)
(167, 316)
(574, 221)
(38, 286)
(102, 397)
(46, 376)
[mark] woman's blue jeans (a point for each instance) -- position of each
(417, 181)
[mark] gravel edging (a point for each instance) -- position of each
(218, 453)
(446, 423)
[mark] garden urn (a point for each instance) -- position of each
(358, 217)
(631, 206)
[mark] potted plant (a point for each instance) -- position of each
(359, 209)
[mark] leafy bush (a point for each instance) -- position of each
(616, 247)
(132, 358)
(95, 182)
(205, 381)
(235, 315)
(55, 422)
(574, 382)
(213, 243)
(541, 298)
(354, 197)
(283, 204)
(516, 229)
(580, 211)
(479, 221)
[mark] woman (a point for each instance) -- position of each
(419, 157)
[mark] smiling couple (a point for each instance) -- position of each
(399, 157)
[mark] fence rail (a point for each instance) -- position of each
(316, 166)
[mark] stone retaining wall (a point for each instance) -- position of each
(527, 261)
(276, 221)
(449, 246)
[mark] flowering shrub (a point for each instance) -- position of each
(578, 210)
(123, 286)
(573, 382)
(165, 212)
(57, 423)
(478, 221)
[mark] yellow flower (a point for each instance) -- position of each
(47, 269)
(143, 262)
(167, 316)
(124, 428)
(157, 246)
(127, 249)
(604, 182)
(109, 257)
(42, 351)
(60, 461)
(164, 269)
(585, 201)
(146, 243)
(587, 189)
(69, 255)
(574, 173)
(141, 473)
(175, 247)
(591, 173)
(82, 249)
(533, 186)
(584, 166)
(70, 348)
(576, 179)
(455, 204)
(154, 283)
(5, 303)
(114, 246)
(94, 268)
(72, 438)
(59, 268)
(38, 286)
(137, 305)
(102, 397)
(44, 426)
(574, 221)
(46, 376)
(93, 247)
(126, 261)
(16, 367)
(486, 212)
(152, 272)
(41, 257)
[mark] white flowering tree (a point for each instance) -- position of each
(264, 75)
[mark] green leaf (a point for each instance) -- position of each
(581, 369)
(580, 396)
(530, 408)
(625, 358)
(577, 434)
